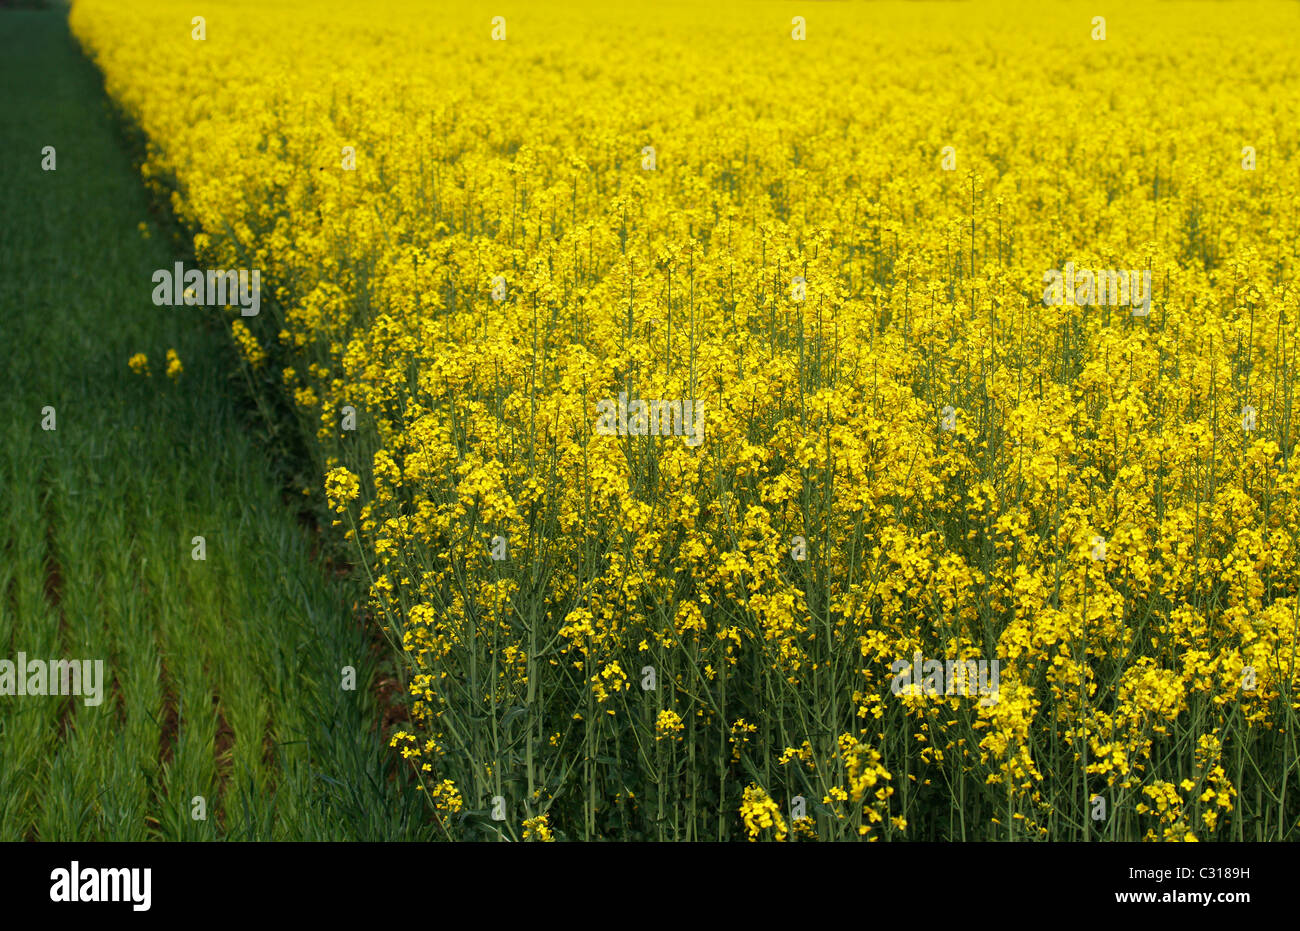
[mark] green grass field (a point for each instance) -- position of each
(222, 676)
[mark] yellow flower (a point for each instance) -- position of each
(760, 813)
(252, 350)
(538, 829)
(668, 724)
(341, 487)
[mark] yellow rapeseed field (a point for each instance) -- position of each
(857, 252)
